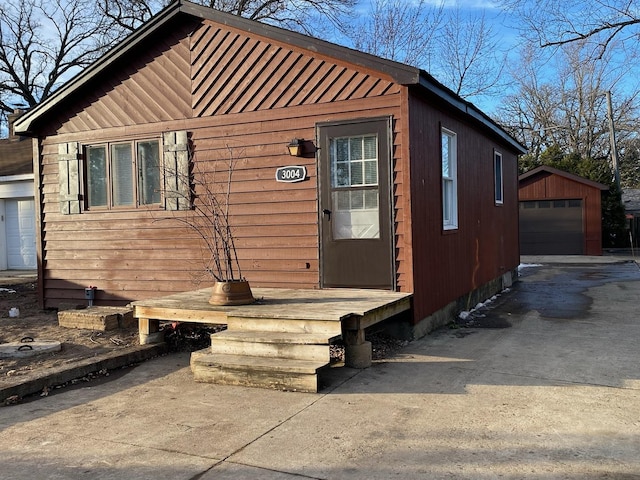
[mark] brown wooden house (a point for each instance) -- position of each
(375, 208)
(560, 213)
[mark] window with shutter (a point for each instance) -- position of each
(123, 174)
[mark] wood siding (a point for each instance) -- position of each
(548, 186)
(153, 88)
(232, 93)
(449, 264)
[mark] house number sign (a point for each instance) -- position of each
(291, 174)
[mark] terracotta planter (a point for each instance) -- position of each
(233, 292)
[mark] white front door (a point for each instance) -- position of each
(21, 234)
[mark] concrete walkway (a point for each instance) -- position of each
(555, 394)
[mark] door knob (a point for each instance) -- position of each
(327, 214)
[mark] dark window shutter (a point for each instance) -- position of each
(177, 184)
(69, 168)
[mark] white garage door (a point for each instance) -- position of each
(21, 234)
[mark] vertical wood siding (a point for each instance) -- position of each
(547, 186)
(249, 98)
(449, 264)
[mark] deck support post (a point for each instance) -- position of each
(149, 331)
(357, 351)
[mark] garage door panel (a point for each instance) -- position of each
(551, 227)
(21, 234)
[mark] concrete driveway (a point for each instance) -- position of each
(553, 394)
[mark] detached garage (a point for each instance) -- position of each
(560, 213)
(17, 205)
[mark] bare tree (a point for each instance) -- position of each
(462, 51)
(558, 22)
(130, 14)
(567, 108)
(293, 14)
(469, 60)
(42, 43)
(630, 163)
(398, 30)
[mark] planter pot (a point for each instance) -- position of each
(232, 292)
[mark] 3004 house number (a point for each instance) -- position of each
(291, 174)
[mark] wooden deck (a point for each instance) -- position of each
(352, 308)
(280, 341)
(326, 304)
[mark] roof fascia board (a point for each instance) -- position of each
(467, 108)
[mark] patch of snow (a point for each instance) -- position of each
(464, 315)
(7, 290)
(528, 265)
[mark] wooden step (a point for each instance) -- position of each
(300, 346)
(263, 372)
(330, 328)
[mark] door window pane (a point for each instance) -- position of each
(354, 182)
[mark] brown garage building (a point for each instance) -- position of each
(560, 213)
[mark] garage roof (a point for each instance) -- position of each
(545, 169)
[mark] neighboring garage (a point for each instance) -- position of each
(560, 213)
(17, 205)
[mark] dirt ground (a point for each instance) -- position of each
(77, 344)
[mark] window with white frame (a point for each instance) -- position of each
(123, 174)
(449, 180)
(498, 182)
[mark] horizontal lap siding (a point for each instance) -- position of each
(448, 265)
(139, 254)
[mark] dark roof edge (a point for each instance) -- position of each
(562, 173)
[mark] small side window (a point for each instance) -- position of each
(449, 153)
(498, 179)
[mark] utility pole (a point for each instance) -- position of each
(612, 139)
